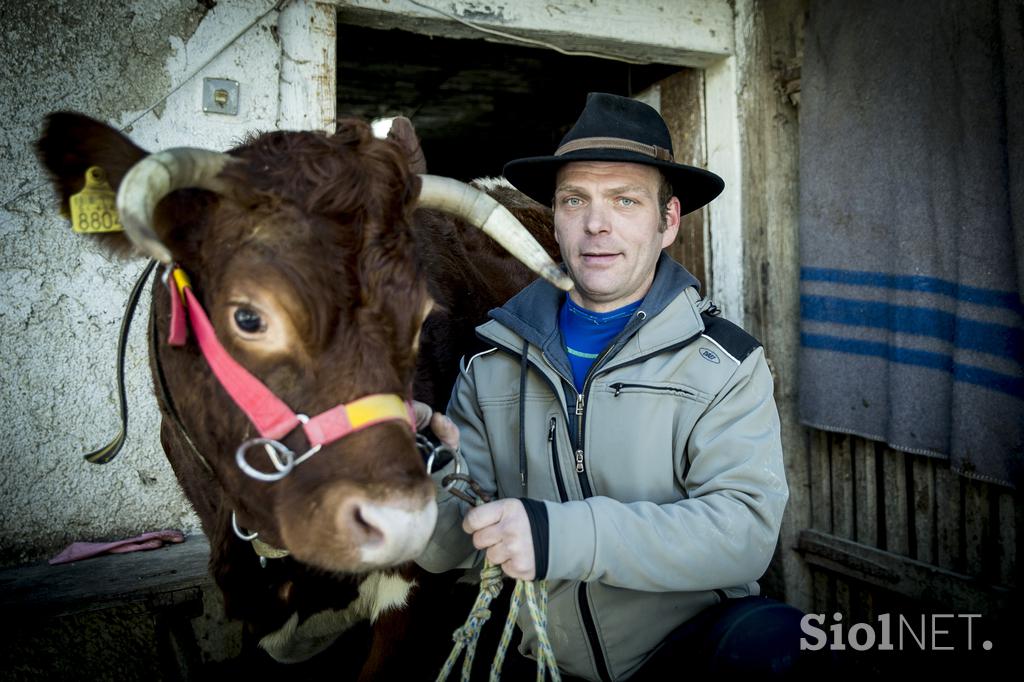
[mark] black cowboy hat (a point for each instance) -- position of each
(614, 128)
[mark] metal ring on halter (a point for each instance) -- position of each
(283, 468)
(423, 444)
(455, 454)
(425, 447)
(248, 537)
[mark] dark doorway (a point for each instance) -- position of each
(475, 104)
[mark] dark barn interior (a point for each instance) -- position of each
(475, 104)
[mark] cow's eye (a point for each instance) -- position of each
(248, 321)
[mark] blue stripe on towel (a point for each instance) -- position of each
(932, 285)
(969, 374)
(983, 337)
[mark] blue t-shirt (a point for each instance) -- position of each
(586, 334)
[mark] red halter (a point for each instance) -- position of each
(268, 413)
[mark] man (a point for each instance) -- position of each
(628, 433)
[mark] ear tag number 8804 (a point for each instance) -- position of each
(94, 209)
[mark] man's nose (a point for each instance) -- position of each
(596, 220)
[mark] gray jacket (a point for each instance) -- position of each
(652, 495)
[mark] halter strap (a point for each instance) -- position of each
(272, 418)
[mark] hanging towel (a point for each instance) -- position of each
(912, 228)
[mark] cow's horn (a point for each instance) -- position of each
(153, 178)
(480, 209)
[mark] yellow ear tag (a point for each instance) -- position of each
(94, 209)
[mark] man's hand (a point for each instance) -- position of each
(503, 529)
(443, 427)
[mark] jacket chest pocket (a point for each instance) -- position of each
(663, 388)
(637, 433)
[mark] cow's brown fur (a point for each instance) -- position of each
(326, 224)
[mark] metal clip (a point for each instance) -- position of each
(248, 537)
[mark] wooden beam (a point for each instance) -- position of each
(682, 107)
(165, 577)
(914, 579)
(695, 33)
(308, 82)
(726, 213)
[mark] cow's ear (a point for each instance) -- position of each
(70, 145)
(403, 134)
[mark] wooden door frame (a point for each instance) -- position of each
(750, 142)
(698, 35)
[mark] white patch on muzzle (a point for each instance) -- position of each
(379, 592)
(405, 533)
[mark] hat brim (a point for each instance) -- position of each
(535, 176)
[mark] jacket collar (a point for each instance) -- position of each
(532, 314)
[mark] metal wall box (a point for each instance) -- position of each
(220, 96)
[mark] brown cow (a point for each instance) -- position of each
(320, 279)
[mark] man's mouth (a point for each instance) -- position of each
(599, 257)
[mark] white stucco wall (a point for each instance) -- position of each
(62, 296)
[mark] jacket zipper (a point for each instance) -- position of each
(581, 469)
(585, 611)
(554, 461)
(618, 386)
(591, 627)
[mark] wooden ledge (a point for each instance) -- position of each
(163, 577)
(905, 576)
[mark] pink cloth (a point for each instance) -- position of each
(77, 551)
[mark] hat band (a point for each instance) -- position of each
(654, 151)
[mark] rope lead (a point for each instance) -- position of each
(535, 594)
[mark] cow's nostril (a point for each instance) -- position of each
(366, 532)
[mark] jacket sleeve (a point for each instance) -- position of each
(450, 546)
(722, 534)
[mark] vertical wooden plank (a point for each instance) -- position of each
(821, 482)
(309, 71)
(822, 592)
(860, 602)
(765, 187)
(866, 487)
(1007, 539)
(924, 509)
(843, 516)
(728, 215)
(977, 546)
(842, 604)
(682, 107)
(896, 522)
(948, 520)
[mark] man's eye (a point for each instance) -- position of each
(626, 201)
(572, 201)
(248, 320)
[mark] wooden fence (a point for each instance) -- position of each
(901, 534)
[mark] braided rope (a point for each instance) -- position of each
(536, 597)
(467, 636)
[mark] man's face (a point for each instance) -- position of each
(607, 224)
